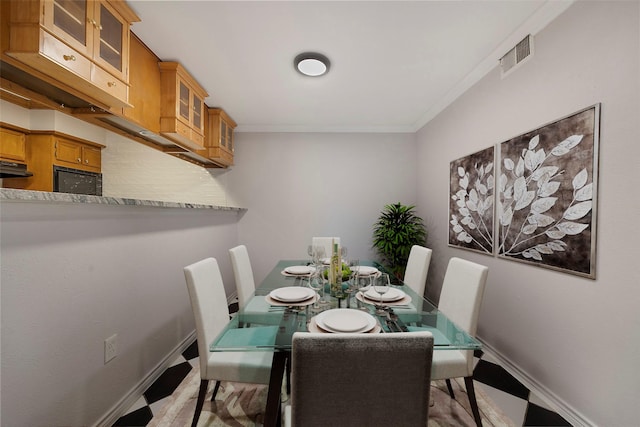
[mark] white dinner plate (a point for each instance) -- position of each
(299, 269)
(345, 320)
(365, 270)
(401, 302)
(292, 294)
(304, 303)
(392, 294)
(313, 327)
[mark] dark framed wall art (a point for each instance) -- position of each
(471, 201)
(547, 195)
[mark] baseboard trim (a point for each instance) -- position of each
(136, 392)
(549, 397)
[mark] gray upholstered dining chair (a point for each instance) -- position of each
(360, 379)
(211, 314)
(460, 300)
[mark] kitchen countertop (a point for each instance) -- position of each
(8, 194)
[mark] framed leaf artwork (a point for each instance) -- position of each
(471, 201)
(547, 193)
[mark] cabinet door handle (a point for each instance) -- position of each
(111, 84)
(86, 161)
(69, 57)
(79, 160)
(94, 23)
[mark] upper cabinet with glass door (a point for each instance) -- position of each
(182, 106)
(88, 38)
(219, 136)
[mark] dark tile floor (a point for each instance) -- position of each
(511, 396)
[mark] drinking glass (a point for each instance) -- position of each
(381, 286)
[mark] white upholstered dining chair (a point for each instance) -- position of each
(326, 243)
(348, 379)
(415, 274)
(243, 273)
(253, 309)
(460, 300)
(211, 314)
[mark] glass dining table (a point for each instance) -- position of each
(263, 326)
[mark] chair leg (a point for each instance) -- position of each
(201, 395)
(450, 388)
(215, 391)
(468, 381)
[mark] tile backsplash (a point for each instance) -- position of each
(133, 170)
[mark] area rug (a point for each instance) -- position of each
(242, 405)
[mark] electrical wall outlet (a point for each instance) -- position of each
(110, 348)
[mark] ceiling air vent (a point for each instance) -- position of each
(517, 55)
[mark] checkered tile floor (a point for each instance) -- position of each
(513, 398)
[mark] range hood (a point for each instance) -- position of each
(13, 170)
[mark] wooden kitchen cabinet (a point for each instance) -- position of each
(81, 43)
(219, 136)
(77, 155)
(13, 145)
(182, 107)
(46, 149)
(144, 93)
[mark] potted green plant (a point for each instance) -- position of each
(398, 228)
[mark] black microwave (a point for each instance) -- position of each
(74, 181)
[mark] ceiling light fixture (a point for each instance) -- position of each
(312, 64)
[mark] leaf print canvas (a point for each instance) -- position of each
(546, 206)
(471, 201)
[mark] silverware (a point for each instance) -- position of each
(393, 326)
(394, 318)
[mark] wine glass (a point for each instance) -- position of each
(352, 285)
(318, 255)
(311, 252)
(363, 284)
(381, 286)
(320, 272)
(315, 283)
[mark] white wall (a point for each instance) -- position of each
(577, 337)
(297, 186)
(73, 275)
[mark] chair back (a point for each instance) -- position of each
(415, 275)
(462, 292)
(360, 379)
(326, 243)
(209, 304)
(243, 273)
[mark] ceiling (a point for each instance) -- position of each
(394, 64)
